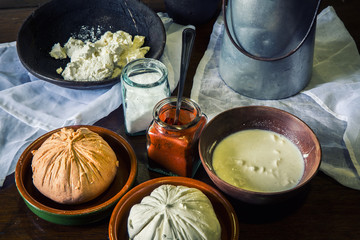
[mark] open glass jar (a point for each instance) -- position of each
(174, 147)
(144, 83)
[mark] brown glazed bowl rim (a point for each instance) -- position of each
(33, 204)
(216, 179)
(135, 195)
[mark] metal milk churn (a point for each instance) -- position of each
(267, 46)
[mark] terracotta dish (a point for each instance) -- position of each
(265, 118)
(57, 20)
(223, 209)
(88, 212)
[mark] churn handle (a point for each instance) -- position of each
(246, 53)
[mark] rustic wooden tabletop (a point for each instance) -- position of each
(327, 210)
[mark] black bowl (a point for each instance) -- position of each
(194, 12)
(58, 20)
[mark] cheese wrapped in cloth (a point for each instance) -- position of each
(73, 167)
(174, 212)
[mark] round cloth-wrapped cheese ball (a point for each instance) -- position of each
(73, 167)
(174, 212)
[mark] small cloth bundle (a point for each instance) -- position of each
(174, 212)
(74, 166)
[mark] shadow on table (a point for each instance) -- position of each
(257, 214)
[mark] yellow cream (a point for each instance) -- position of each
(258, 160)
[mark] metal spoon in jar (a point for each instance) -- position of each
(188, 37)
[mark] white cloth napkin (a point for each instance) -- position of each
(30, 107)
(330, 104)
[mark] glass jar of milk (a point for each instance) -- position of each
(144, 83)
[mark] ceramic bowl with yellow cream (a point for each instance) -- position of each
(259, 154)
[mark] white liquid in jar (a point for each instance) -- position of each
(141, 101)
(258, 160)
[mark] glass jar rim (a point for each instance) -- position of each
(150, 63)
(172, 100)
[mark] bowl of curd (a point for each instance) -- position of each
(259, 154)
(85, 44)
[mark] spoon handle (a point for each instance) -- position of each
(188, 37)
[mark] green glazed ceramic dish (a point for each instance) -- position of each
(86, 213)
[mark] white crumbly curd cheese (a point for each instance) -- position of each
(58, 52)
(258, 160)
(96, 61)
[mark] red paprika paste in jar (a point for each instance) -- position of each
(174, 146)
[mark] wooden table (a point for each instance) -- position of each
(327, 210)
